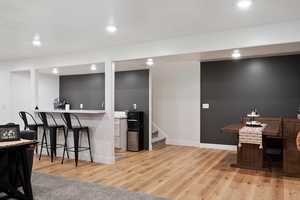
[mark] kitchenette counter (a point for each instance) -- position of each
(73, 111)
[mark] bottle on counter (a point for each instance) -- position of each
(67, 107)
(134, 106)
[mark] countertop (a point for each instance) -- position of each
(73, 111)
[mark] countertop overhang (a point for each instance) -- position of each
(73, 111)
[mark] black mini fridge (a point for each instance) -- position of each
(135, 134)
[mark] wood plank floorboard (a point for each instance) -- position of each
(178, 172)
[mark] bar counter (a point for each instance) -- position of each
(101, 133)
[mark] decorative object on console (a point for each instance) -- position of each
(9, 132)
(298, 115)
(252, 115)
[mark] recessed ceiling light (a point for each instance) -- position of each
(236, 54)
(244, 4)
(111, 29)
(36, 42)
(149, 62)
(93, 67)
(55, 71)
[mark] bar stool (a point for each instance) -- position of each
(33, 127)
(53, 134)
(76, 131)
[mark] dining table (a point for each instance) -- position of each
(250, 156)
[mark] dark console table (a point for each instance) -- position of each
(251, 157)
(14, 169)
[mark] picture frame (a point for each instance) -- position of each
(9, 133)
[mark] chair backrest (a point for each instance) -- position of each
(67, 118)
(23, 115)
(43, 117)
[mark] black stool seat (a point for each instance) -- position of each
(56, 126)
(35, 125)
(80, 128)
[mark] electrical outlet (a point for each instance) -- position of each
(205, 106)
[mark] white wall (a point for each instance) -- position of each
(48, 90)
(176, 101)
(21, 99)
(5, 96)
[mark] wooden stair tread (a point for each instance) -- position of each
(154, 134)
(158, 142)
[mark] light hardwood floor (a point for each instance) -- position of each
(178, 172)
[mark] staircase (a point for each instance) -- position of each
(157, 140)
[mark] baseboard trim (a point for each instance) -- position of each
(218, 146)
(201, 145)
(183, 142)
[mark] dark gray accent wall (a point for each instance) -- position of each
(132, 87)
(232, 88)
(87, 89)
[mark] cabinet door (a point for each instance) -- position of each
(117, 127)
(250, 156)
(291, 157)
(117, 142)
(289, 129)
